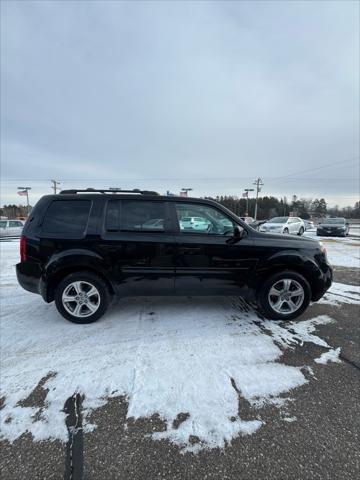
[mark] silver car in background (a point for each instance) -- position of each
(11, 228)
(286, 225)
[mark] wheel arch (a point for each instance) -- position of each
(56, 276)
(308, 271)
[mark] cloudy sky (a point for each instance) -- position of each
(165, 95)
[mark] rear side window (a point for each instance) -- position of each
(135, 216)
(67, 217)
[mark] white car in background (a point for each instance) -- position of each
(286, 225)
(309, 225)
(11, 228)
(194, 223)
(248, 220)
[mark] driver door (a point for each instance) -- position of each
(208, 259)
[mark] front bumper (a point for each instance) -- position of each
(323, 283)
(330, 233)
(274, 231)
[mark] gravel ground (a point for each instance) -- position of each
(322, 441)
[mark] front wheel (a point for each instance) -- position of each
(284, 296)
(82, 297)
(286, 231)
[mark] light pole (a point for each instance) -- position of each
(186, 190)
(26, 191)
(247, 190)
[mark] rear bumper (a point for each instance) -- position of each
(29, 277)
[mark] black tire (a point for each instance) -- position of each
(263, 300)
(102, 297)
(286, 231)
(301, 231)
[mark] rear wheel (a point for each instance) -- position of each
(82, 297)
(284, 296)
(301, 231)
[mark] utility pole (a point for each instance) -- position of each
(247, 190)
(259, 183)
(54, 186)
(26, 191)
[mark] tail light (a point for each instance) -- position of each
(23, 249)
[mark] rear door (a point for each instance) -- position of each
(296, 225)
(208, 260)
(139, 246)
(292, 224)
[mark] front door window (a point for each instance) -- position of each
(202, 219)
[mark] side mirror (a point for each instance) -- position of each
(239, 233)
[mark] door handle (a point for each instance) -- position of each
(190, 249)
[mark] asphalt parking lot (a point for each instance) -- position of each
(212, 392)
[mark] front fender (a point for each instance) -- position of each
(286, 260)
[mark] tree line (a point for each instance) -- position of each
(268, 207)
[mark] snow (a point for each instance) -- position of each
(343, 252)
(340, 293)
(331, 356)
(166, 355)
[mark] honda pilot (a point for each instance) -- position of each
(82, 247)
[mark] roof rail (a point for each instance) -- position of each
(97, 190)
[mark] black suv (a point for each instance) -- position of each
(81, 247)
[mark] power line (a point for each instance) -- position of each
(320, 168)
(170, 179)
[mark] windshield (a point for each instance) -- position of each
(334, 221)
(278, 220)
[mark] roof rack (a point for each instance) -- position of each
(96, 190)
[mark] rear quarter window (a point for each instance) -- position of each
(66, 217)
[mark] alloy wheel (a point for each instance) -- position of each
(81, 299)
(286, 296)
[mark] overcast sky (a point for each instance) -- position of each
(165, 95)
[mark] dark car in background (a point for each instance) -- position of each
(333, 227)
(80, 248)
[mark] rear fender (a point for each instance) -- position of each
(69, 261)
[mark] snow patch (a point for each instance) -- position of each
(204, 356)
(329, 356)
(340, 293)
